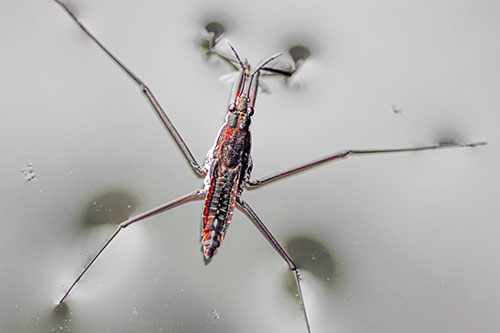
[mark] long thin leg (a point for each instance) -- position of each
(128, 222)
(277, 247)
(147, 92)
(346, 153)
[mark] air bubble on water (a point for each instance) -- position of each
(215, 314)
(28, 172)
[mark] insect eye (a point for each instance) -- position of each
(232, 107)
(250, 110)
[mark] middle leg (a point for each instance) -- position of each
(345, 153)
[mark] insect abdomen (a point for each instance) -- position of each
(219, 208)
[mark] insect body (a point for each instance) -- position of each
(228, 165)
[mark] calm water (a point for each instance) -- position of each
(400, 243)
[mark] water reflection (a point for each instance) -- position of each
(299, 53)
(311, 255)
(213, 33)
(58, 320)
(110, 207)
(448, 136)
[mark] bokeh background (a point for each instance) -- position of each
(395, 243)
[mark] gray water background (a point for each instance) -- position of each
(394, 243)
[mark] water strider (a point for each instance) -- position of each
(228, 165)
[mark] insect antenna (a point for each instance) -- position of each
(236, 55)
(237, 89)
(258, 70)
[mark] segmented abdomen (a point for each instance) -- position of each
(219, 207)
